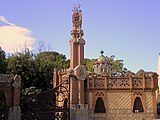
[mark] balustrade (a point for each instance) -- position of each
(118, 83)
(144, 82)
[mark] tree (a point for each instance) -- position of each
(89, 64)
(23, 65)
(58, 60)
(45, 63)
(36, 70)
(117, 66)
(3, 63)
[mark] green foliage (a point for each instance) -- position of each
(31, 90)
(23, 65)
(89, 64)
(36, 70)
(117, 66)
(58, 60)
(3, 63)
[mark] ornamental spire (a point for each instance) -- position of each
(77, 32)
(77, 17)
(101, 52)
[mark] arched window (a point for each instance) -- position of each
(138, 107)
(100, 108)
(3, 108)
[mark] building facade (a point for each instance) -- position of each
(99, 96)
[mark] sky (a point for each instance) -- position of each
(128, 29)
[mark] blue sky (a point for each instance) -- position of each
(128, 29)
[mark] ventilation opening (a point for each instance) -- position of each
(138, 107)
(100, 108)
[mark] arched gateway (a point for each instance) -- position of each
(100, 108)
(10, 97)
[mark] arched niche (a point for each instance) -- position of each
(138, 107)
(99, 107)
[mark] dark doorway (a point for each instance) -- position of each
(100, 108)
(85, 91)
(3, 106)
(138, 107)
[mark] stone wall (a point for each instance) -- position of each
(79, 112)
(11, 86)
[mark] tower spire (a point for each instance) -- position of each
(77, 32)
(77, 42)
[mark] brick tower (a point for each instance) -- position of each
(78, 109)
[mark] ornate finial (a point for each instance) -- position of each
(101, 52)
(76, 8)
(77, 22)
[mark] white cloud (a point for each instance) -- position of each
(3, 19)
(14, 38)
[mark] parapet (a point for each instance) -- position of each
(144, 81)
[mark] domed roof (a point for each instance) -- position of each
(102, 59)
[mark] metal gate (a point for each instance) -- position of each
(51, 105)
